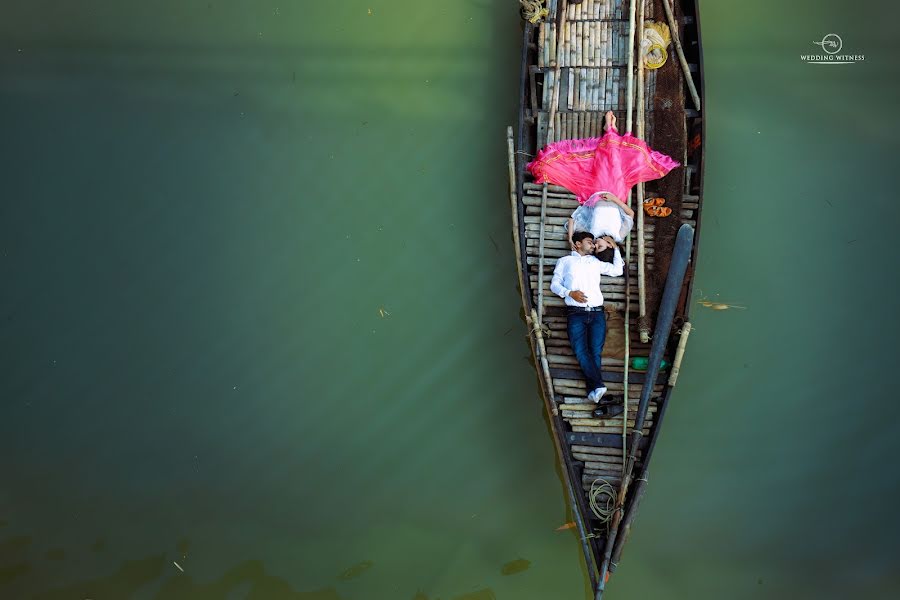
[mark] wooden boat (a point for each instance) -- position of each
(575, 67)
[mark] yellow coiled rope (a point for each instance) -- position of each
(533, 10)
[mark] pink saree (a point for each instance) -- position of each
(613, 163)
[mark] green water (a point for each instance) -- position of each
(259, 313)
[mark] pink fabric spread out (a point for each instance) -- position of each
(613, 163)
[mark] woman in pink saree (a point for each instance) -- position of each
(600, 172)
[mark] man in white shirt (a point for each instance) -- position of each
(576, 278)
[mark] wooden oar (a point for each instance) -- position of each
(680, 256)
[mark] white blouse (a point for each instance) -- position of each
(604, 218)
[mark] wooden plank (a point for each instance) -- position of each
(597, 451)
(634, 377)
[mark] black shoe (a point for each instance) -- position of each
(610, 408)
(611, 399)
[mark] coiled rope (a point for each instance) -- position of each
(533, 10)
(603, 497)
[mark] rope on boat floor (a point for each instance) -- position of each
(603, 499)
(533, 10)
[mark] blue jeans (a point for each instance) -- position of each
(587, 333)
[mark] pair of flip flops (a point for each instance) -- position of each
(654, 207)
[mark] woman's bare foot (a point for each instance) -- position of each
(610, 121)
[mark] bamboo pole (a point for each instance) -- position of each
(542, 39)
(595, 450)
(541, 264)
(645, 474)
(562, 43)
(548, 395)
(576, 89)
(589, 97)
(602, 49)
(616, 89)
(576, 46)
(515, 212)
(643, 318)
(547, 94)
(617, 515)
(580, 40)
(585, 87)
(551, 128)
(632, 6)
(607, 88)
(592, 101)
(586, 44)
(573, 33)
(679, 354)
(550, 405)
(591, 44)
(583, 90)
(553, 34)
(595, 465)
(676, 39)
(581, 96)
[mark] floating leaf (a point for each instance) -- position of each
(717, 305)
(516, 566)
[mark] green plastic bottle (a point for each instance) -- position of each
(640, 363)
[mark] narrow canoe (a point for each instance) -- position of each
(582, 50)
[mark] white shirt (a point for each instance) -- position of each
(582, 273)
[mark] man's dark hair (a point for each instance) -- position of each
(581, 235)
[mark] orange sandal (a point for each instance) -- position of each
(658, 211)
(651, 205)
